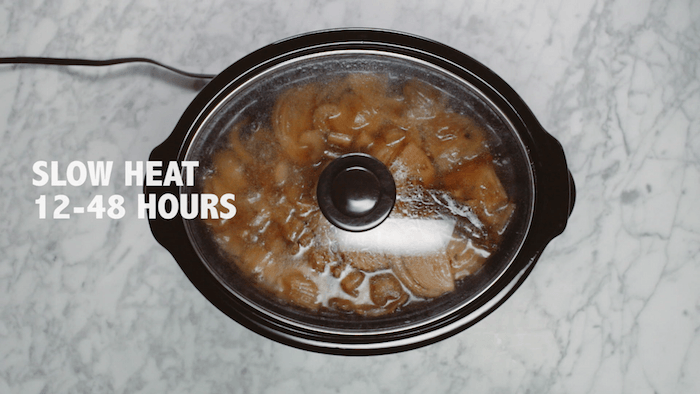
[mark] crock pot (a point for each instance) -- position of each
(530, 163)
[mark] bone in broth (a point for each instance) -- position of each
(450, 213)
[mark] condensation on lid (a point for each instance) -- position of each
(450, 152)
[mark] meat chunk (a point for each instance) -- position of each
(299, 289)
(384, 288)
(425, 276)
(465, 258)
(477, 185)
(451, 140)
(340, 140)
(351, 281)
(322, 114)
(387, 146)
(292, 117)
(368, 262)
(417, 164)
(477, 180)
(422, 101)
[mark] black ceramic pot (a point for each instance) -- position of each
(530, 162)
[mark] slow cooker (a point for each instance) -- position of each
(383, 191)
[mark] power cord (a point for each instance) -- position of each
(52, 61)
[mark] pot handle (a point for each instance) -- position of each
(556, 190)
(170, 233)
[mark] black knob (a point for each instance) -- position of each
(356, 192)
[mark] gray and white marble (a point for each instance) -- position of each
(613, 306)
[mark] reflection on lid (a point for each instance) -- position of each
(400, 237)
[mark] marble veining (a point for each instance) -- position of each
(613, 306)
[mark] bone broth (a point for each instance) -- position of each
(450, 213)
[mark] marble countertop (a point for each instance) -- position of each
(613, 305)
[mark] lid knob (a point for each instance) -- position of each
(356, 192)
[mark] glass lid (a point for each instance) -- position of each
(373, 191)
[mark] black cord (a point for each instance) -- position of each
(96, 63)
